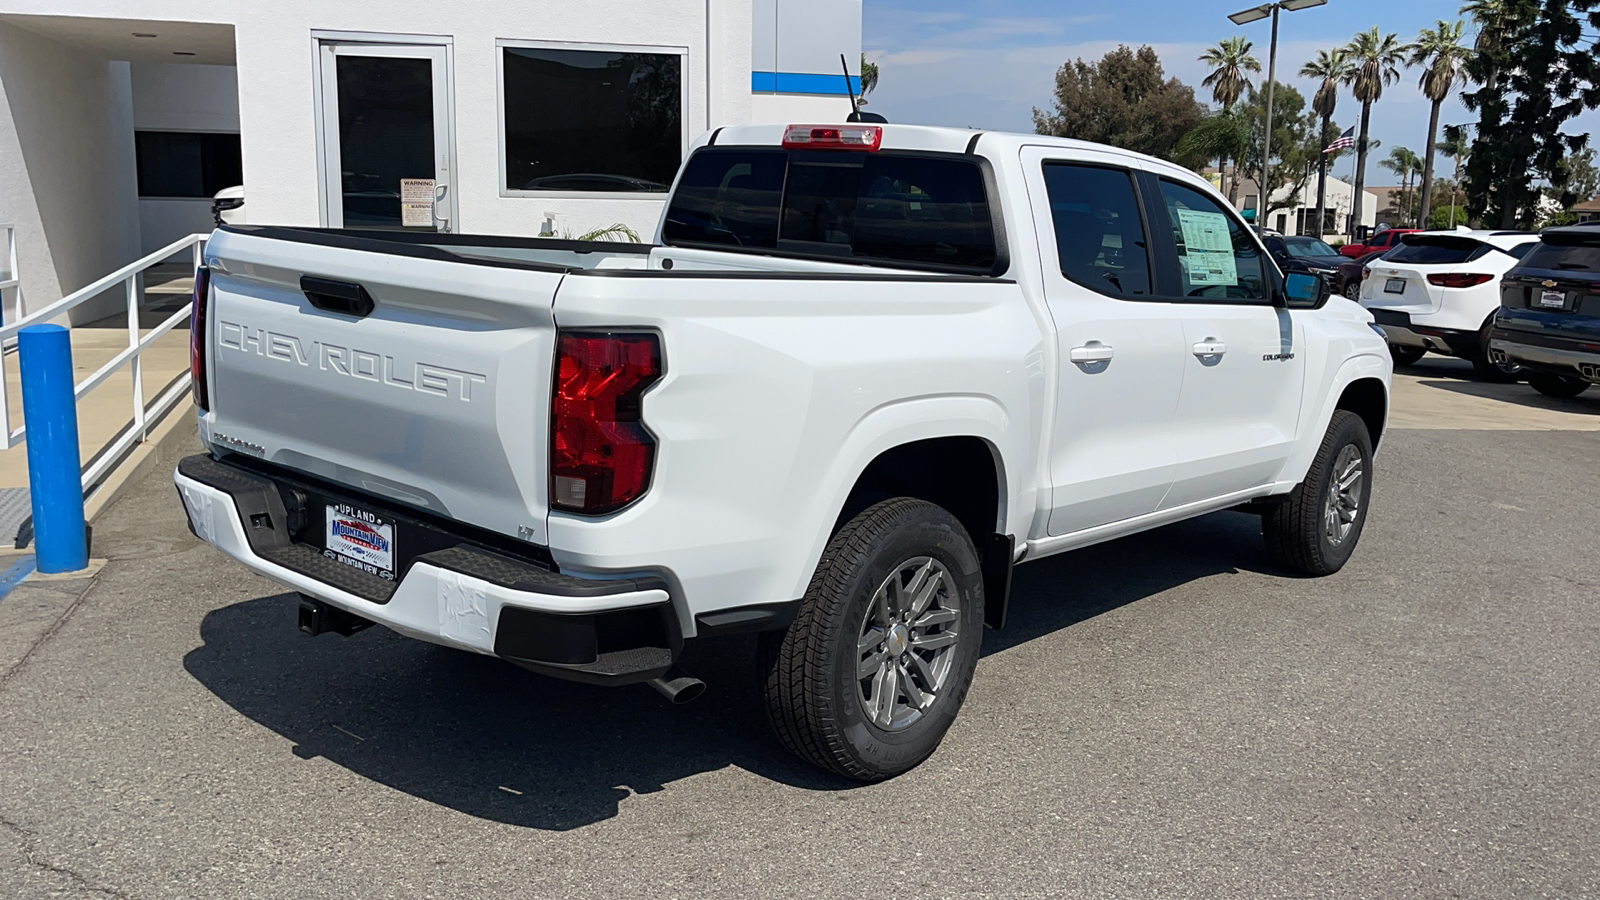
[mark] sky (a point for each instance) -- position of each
(988, 63)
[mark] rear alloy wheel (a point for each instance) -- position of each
(1352, 291)
(1405, 355)
(872, 672)
(1316, 529)
(1559, 386)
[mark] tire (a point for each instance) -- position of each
(1297, 531)
(817, 701)
(1352, 291)
(1488, 370)
(1559, 386)
(1404, 355)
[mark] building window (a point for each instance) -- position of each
(186, 163)
(608, 120)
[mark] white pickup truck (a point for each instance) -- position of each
(862, 371)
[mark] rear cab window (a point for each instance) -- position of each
(1100, 236)
(919, 210)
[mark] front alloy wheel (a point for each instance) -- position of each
(1342, 506)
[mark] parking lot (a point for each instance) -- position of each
(1166, 716)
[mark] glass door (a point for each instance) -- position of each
(386, 148)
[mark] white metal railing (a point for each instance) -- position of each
(9, 280)
(143, 413)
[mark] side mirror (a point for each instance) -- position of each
(1303, 290)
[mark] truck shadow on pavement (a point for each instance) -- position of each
(482, 737)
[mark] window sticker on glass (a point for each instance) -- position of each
(1208, 248)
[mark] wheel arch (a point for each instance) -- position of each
(915, 447)
(1368, 398)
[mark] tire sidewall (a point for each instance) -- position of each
(1350, 431)
(891, 752)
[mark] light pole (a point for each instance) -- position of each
(1256, 14)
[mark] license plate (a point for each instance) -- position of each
(1553, 299)
(358, 538)
(1394, 286)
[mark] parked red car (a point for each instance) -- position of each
(1383, 240)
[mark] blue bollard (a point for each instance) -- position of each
(50, 412)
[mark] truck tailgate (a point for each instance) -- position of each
(437, 399)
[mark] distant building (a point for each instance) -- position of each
(119, 120)
(1300, 214)
(1588, 211)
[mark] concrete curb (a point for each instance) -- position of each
(167, 434)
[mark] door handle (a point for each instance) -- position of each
(1094, 351)
(1210, 347)
(442, 223)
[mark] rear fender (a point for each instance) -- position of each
(908, 421)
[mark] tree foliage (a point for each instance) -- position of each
(869, 76)
(1295, 146)
(1124, 100)
(1535, 69)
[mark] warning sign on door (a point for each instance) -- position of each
(416, 202)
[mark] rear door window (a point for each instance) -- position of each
(1100, 236)
(921, 209)
(1217, 257)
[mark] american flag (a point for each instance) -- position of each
(1345, 141)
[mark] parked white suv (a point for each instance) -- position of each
(862, 372)
(1440, 290)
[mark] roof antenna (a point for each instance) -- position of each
(856, 115)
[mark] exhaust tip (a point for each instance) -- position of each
(678, 686)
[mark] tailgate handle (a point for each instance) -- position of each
(345, 297)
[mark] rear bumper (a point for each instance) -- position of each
(1402, 330)
(1572, 357)
(465, 596)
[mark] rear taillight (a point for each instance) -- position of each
(1458, 279)
(833, 137)
(197, 337)
(1365, 272)
(600, 452)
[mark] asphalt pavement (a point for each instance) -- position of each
(1166, 716)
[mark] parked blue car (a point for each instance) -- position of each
(1549, 320)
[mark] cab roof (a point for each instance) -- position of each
(941, 139)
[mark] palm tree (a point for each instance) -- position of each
(1329, 68)
(1456, 146)
(1441, 52)
(1403, 163)
(1492, 17)
(1220, 135)
(1230, 61)
(1375, 60)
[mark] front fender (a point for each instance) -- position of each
(1363, 365)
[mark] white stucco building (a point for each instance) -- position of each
(1300, 216)
(119, 120)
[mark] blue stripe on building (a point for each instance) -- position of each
(801, 83)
